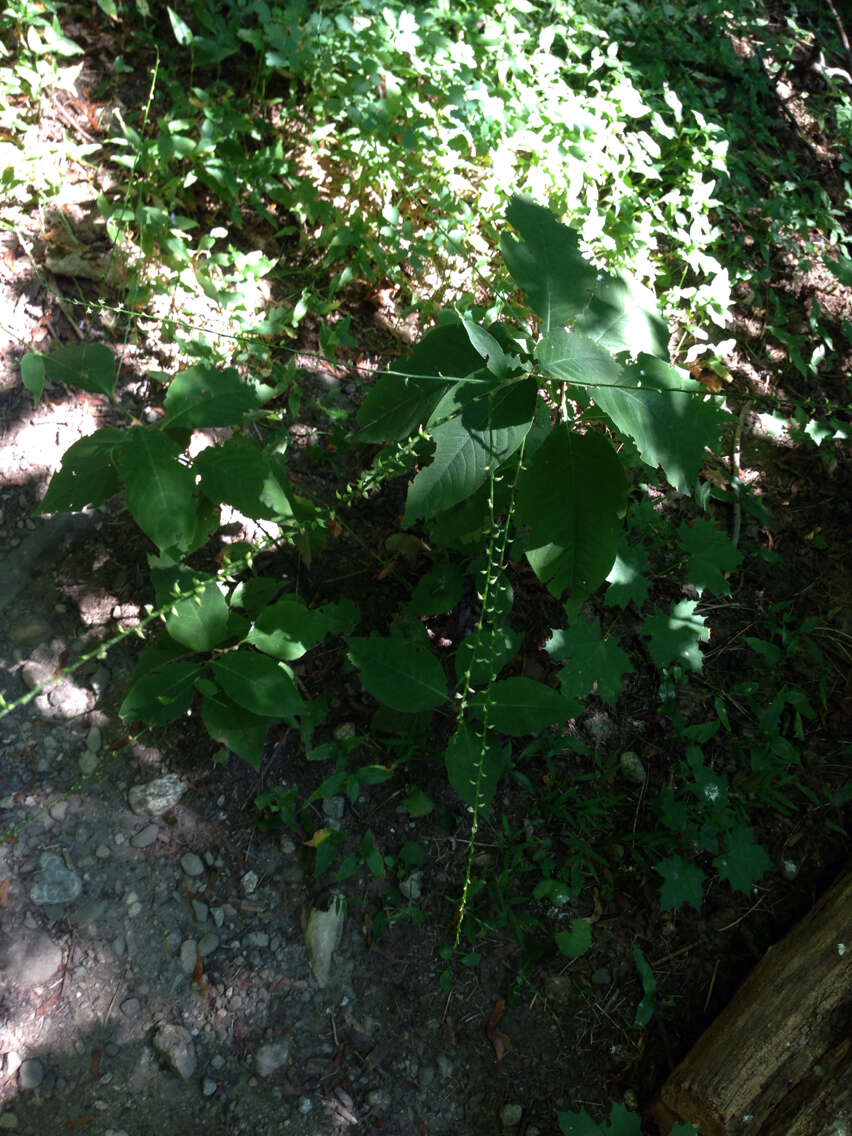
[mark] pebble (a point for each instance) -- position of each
(28, 631)
(188, 955)
(192, 864)
(175, 1046)
(31, 958)
(89, 762)
(208, 1087)
(94, 739)
(55, 883)
(30, 1074)
(334, 807)
(601, 977)
(510, 1115)
(249, 882)
(156, 797)
(322, 936)
(207, 944)
(130, 1007)
(145, 837)
(58, 810)
(271, 1057)
(199, 911)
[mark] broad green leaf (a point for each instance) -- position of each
(485, 651)
(743, 861)
(576, 942)
(160, 491)
(645, 1009)
(675, 637)
(500, 364)
(236, 471)
(201, 620)
(475, 764)
(711, 555)
(253, 595)
(519, 706)
(235, 727)
(682, 883)
(340, 618)
(32, 374)
(161, 650)
(163, 695)
(288, 629)
(182, 31)
(205, 395)
(89, 366)
(401, 402)
(258, 683)
(592, 659)
(399, 673)
(621, 1122)
(628, 577)
(478, 427)
(88, 475)
(438, 591)
(577, 359)
(669, 416)
(572, 494)
(622, 315)
(546, 263)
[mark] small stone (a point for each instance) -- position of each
(199, 911)
(334, 807)
(58, 810)
(217, 1061)
(207, 944)
(157, 797)
(31, 1074)
(789, 869)
(192, 864)
(208, 1087)
(412, 887)
(601, 977)
(632, 768)
(175, 1046)
(271, 1057)
(93, 739)
(510, 1115)
(30, 959)
(188, 956)
(250, 881)
(28, 631)
(218, 914)
(8, 1121)
(88, 762)
(379, 1100)
(55, 883)
(102, 852)
(145, 837)
(344, 732)
(130, 1007)
(322, 936)
(256, 939)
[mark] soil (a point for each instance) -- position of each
(154, 972)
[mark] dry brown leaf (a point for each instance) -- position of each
(501, 1042)
(4, 891)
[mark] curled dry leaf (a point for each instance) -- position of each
(501, 1042)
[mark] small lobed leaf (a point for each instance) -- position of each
(682, 883)
(627, 578)
(743, 861)
(711, 555)
(592, 659)
(32, 374)
(675, 637)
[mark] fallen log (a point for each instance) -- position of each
(778, 1060)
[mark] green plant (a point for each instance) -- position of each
(510, 431)
(621, 1122)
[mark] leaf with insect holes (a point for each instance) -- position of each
(628, 577)
(743, 861)
(591, 659)
(682, 883)
(711, 554)
(675, 637)
(88, 475)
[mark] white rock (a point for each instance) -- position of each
(175, 1046)
(30, 958)
(157, 797)
(271, 1057)
(192, 864)
(322, 936)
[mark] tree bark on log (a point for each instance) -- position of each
(778, 1060)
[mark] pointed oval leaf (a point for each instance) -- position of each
(205, 395)
(288, 629)
(160, 491)
(89, 366)
(399, 673)
(575, 358)
(519, 706)
(475, 764)
(200, 621)
(88, 475)
(235, 727)
(162, 695)
(258, 684)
